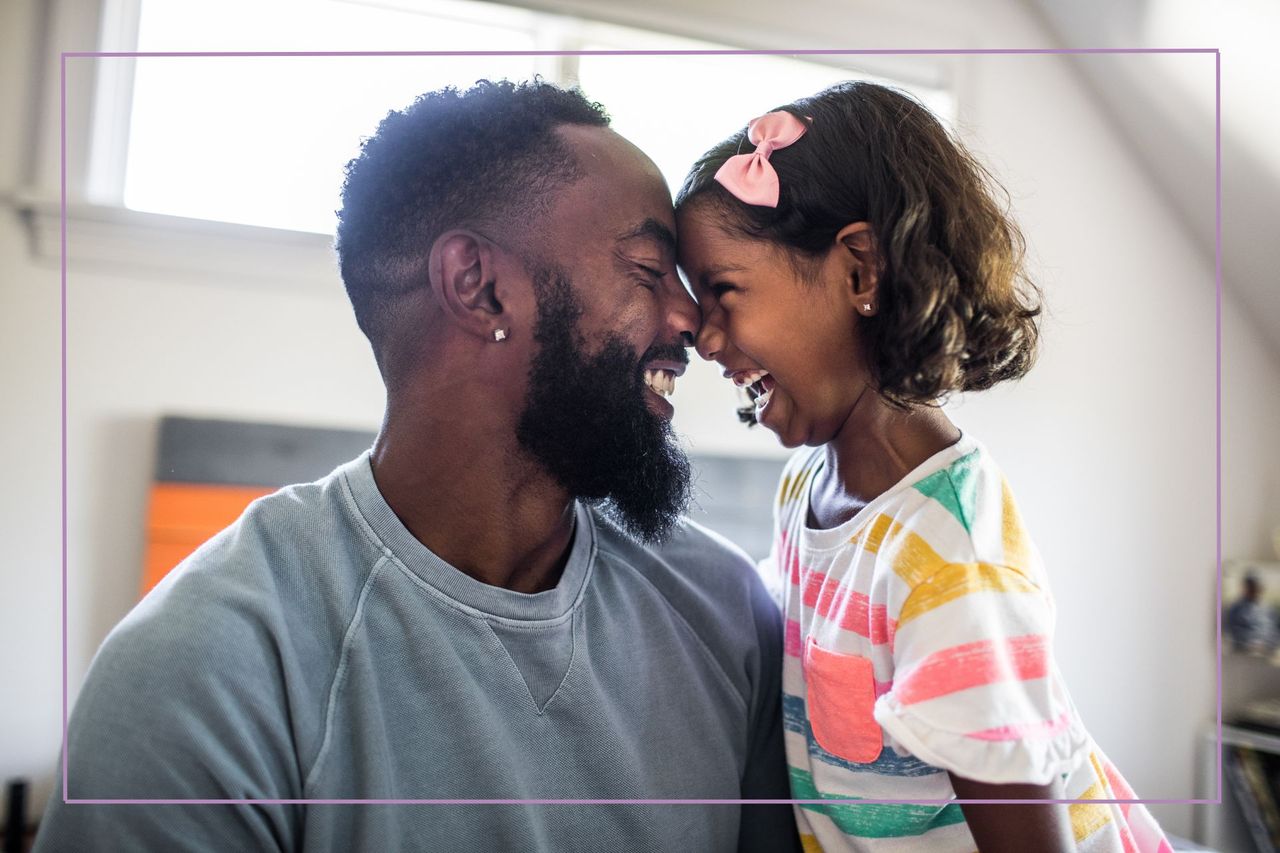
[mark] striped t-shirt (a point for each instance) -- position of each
(918, 641)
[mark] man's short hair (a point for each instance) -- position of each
(486, 158)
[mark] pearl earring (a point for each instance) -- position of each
(499, 335)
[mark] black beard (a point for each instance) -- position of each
(586, 421)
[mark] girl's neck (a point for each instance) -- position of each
(874, 450)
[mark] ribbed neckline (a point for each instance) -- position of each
(456, 585)
(838, 536)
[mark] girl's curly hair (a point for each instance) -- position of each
(956, 311)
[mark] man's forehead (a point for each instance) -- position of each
(594, 144)
(605, 156)
(653, 231)
(622, 195)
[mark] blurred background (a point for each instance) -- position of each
(201, 286)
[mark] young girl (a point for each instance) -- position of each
(853, 270)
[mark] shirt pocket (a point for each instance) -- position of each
(841, 699)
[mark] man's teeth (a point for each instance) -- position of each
(661, 382)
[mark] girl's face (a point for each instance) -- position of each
(791, 342)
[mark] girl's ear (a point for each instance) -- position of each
(463, 276)
(858, 244)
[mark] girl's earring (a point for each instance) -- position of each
(866, 307)
(499, 335)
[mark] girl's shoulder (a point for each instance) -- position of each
(956, 478)
(966, 500)
(958, 503)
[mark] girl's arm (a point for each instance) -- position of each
(1016, 828)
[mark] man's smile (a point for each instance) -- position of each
(660, 379)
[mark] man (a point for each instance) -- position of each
(498, 601)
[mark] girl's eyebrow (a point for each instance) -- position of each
(717, 271)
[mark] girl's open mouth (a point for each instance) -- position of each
(760, 391)
(758, 384)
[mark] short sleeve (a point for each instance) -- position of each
(975, 689)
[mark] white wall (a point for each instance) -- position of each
(1109, 443)
(30, 612)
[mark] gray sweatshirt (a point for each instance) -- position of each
(315, 650)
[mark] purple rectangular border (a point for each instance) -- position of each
(922, 52)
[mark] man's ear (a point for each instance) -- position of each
(857, 241)
(462, 269)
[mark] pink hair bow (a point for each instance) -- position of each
(749, 177)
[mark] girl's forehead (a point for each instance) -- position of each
(700, 228)
(703, 236)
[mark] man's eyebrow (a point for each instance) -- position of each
(651, 229)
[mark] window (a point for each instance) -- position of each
(263, 140)
(676, 107)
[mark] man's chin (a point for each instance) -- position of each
(648, 502)
(642, 487)
(596, 428)
(648, 528)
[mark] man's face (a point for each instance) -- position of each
(611, 307)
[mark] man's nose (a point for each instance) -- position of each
(683, 317)
(710, 339)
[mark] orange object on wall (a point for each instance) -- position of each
(182, 516)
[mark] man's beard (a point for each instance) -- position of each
(586, 421)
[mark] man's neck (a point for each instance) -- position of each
(473, 496)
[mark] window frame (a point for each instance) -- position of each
(98, 93)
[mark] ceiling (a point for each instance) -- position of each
(1164, 104)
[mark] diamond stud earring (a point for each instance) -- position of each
(866, 306)
(499, 335)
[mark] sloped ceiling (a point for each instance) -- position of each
(1164, 105)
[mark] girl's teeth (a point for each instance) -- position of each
(763, 399)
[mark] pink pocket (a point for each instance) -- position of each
(841, 703)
